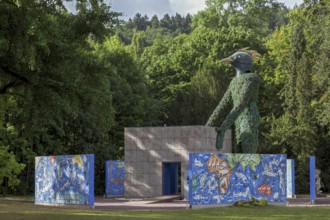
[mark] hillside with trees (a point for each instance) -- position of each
(70, 82)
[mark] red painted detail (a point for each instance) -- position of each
(264, 188)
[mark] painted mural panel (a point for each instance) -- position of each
(289, 172)
(227, 178)
(65, 179)
(114, 175)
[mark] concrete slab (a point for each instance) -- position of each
(305, 202)
(151, 204)
(168, 203)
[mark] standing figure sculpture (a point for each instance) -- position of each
(239, 103)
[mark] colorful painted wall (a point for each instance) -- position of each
(114, 177)
(290, 178)
(227, 178)
(66, 179)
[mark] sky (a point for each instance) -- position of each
(160, 7)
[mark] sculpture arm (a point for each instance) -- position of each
(221, 110)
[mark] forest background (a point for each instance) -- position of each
(71, 82)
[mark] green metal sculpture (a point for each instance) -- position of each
(239, 103)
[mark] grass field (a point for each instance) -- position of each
(25, 209)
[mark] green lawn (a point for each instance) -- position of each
(24, 209)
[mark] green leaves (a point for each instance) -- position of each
(297, 71)
(68, 86)
(56, 93)
(9, 169)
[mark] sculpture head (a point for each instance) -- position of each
(242, 60)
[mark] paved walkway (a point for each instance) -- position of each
(164, 203)
(152, 204)
(319, 201)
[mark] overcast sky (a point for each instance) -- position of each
(160, 7)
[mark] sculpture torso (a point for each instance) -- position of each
(249, 117)
(239, 104)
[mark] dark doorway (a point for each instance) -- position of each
(171, 178)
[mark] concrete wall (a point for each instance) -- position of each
(146, 148)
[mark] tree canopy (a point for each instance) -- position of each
(71, 81)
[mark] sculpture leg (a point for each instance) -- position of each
(249, 141)
(219, 140)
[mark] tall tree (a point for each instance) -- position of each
(318, 15)
(55, 95)
(170, 66)
(166, 22)
(294, 132)
(298, 114)
(154, 22)
(137, 44)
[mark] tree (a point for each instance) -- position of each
(170, 65)
(140, 22)
(318, 15)
(154, 22)
(137, 44)
(298, 54)
(56, 96)
(260, 15)
(194, 104)
(166, 22)
(132, 104)
(167, 27)
(9, 169)
(298, 113)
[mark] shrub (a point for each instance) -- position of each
(9, 169)
(252, 202)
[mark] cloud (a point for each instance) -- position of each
(291, 3)
(158, 7)
(149, 7)
(184, 7)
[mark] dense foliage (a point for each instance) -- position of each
(66, 86)
(70, 82)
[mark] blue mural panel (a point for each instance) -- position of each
(312, 188)
(66, 179)
(227, 178)
(114, 177)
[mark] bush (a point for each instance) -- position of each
(263, 202)
(240, 204)
(9, 170)
(252, 202)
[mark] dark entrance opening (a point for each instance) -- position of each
(171, 178)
